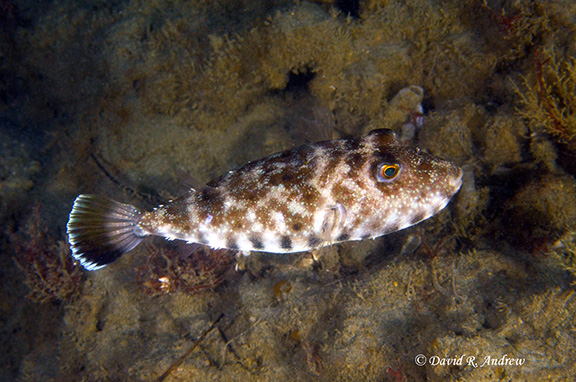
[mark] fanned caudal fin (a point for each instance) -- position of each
(101, 230)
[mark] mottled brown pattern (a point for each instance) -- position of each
(310, 196)
(355, 160)
(174, 214)
(343, 194)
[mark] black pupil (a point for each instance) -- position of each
(390, 171)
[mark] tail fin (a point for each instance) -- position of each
(101, 230)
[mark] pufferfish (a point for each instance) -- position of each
(298, 200)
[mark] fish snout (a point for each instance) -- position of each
(455, 181)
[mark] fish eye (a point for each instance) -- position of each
(387, 172)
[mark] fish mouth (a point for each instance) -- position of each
(456, 182)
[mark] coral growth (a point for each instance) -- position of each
(47, 263)
(185, 268)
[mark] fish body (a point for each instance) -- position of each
(297, 200)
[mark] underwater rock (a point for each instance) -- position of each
(544, 152)
(546, 206)
(404, 109)
(17, 171)
(470, 205)
(503, 140)
(450, 132)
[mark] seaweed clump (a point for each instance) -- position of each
(564, 249)
(186, 268)
(549, 104)
(47, 264)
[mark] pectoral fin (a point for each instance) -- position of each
(333, 224)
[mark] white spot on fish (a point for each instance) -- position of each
(279, 219)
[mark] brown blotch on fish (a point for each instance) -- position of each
(232, 244)
(276, 179)
(286, 242)
(355, 160)
(256, 242)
